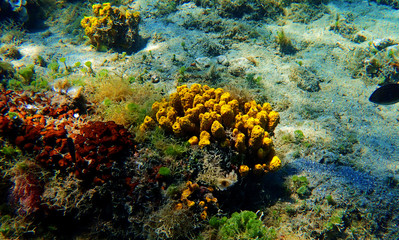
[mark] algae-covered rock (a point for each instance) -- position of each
(7, 72)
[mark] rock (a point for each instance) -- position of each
(359, 38)
(394, 49)
(74, 92)
(222, 59)
(306, 79)
(239, 66)
(203, 62)
(383, 43)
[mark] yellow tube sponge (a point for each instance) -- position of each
(186, 125)
(258, 169)
(227, 114)
(249, 123)
(218, 94)
(267, 142)
(255, 141)
(193, 140)
(275, 163)
(175, 102)
(263, 116)
(240, 143)
(226, 97)
(187, 100)
(235, 106)
(267, 107)
(148, 124)
(171, 114)
(177, 128)
(206, 120)
(274, 118)
(244, 170)
(217, 130)
(196, 88)
(165, 123)
(162, 112)
(205, 139)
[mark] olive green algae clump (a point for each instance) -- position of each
(243, 225)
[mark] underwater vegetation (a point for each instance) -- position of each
(243, 225)
(160, 173)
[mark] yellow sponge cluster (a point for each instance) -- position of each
(213, 115)
(111, 26)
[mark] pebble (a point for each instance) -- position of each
(203, 62)
(383, 43)
(222, 59)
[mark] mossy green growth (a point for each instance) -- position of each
(285, 43)
(252, 81)
(107, 102)
(12, 228)
(330, 200)
(299, 136)
(63, 60)
(103, 73)
(54, 66)
(6, 68)
(175, 150)
(300, 180)
(8, 150)
(336, 220)
(14, 84)
(245, 225)
(164, 171)
(39, 84)
(302, 190)
(39, 60)
(132, 107)
(166, 6)
(137, 112)
(182, 74)
(12, 115)
(27, 72)
(301, 185)
(216, 222)
(173, 191)
(89, 70)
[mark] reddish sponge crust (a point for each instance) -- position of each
(37, 126)
(98, 146)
